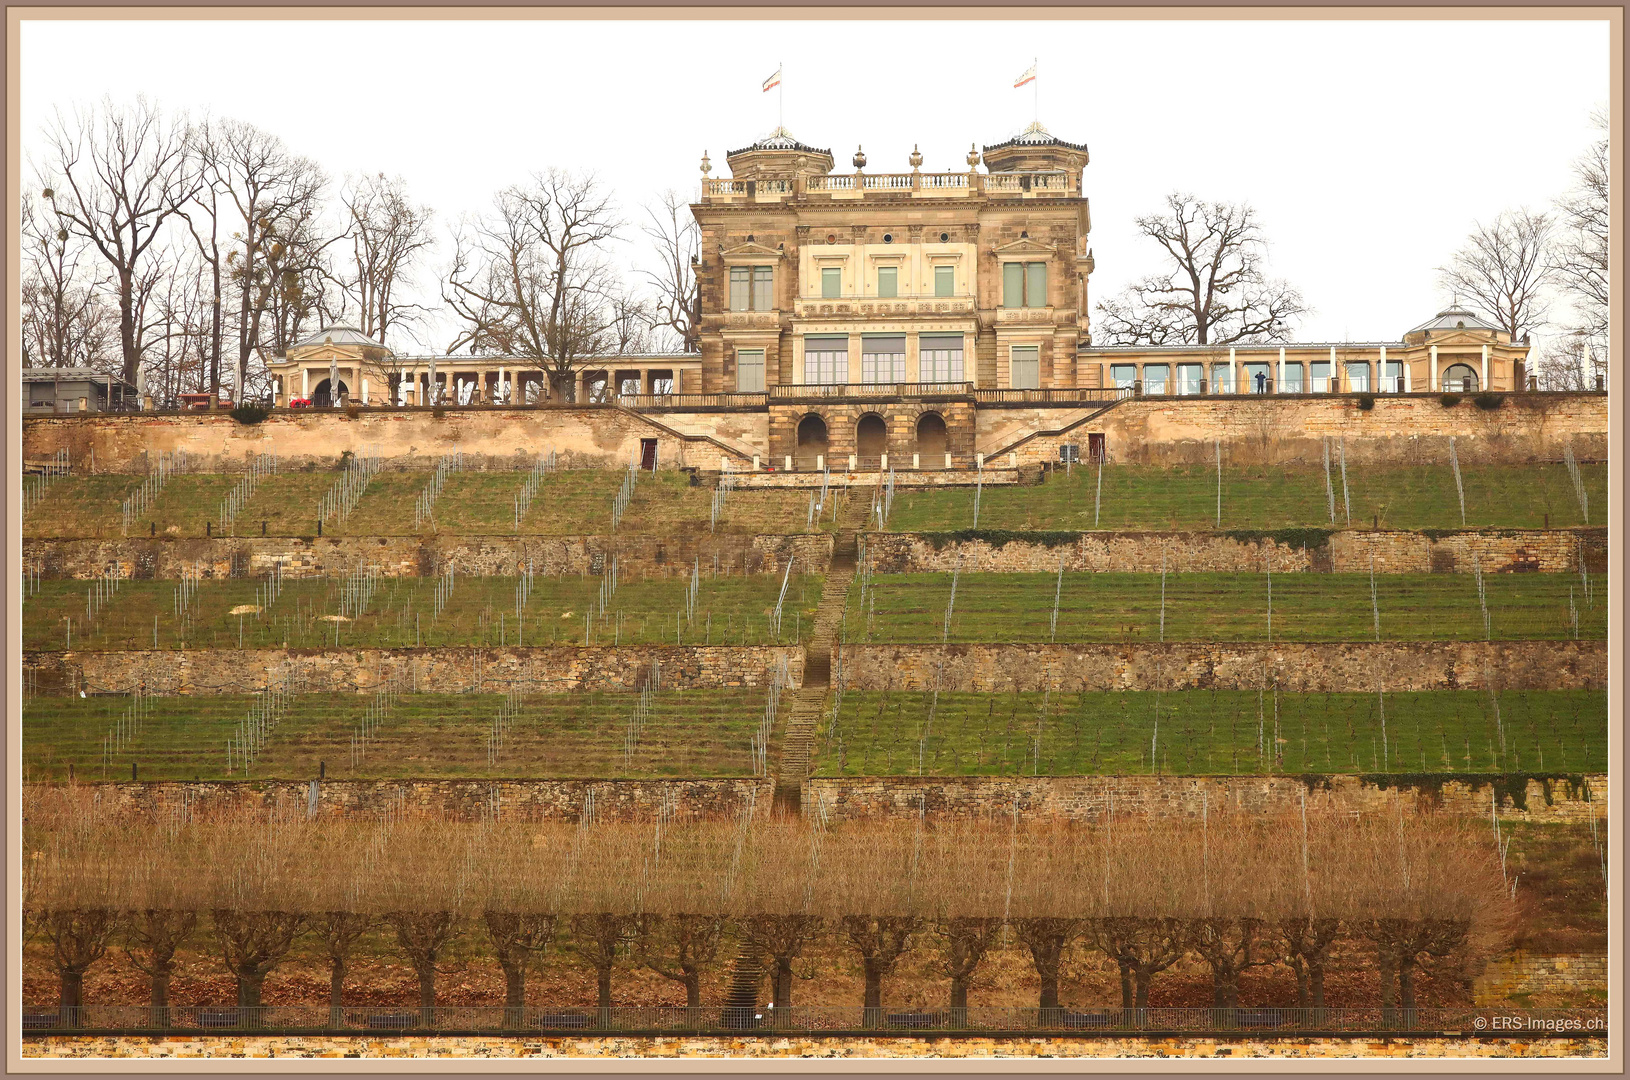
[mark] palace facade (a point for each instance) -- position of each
(857, 312)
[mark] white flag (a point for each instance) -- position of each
(1028, 76)
(773, 81)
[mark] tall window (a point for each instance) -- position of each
(1024, 284)
(1358, 375)
(883, 358)
(1123, 375)
(940, 358)
(750, 288)
(1026, 374)
(750, 371)
(888, 281)
(831, 282)
(826, 360)
(944, 281)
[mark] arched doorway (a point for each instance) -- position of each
(933, 441)
(812, 442)
(1461, 378)
(871, 440)
(322, 397)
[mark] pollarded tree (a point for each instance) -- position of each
(1142, 948)
(79, 938)
(599, 938)
(1214, 288)
(1305, 945)
(1230, 947)
(967, 939)
(782, 938)
(881, 941)
(253, 944)
(423, 936)
(153, 937)
(680, 948)
(340, 931)
(1046, 938)
(516, 937)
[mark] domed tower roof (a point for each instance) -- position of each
(1035, 149)
(343, 339)
(1456, 319)
(778, 154)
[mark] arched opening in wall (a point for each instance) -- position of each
(933, 441)
(812, 442)
(871, 440)
(323, 396)
(1461, 379)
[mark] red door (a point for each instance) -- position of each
(648, 454)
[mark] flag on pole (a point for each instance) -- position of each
(773, 81)
(1028, 76)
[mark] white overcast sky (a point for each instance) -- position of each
(1369, 149)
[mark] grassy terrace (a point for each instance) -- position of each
(1221, 607)
(401, 613)
(901, 733)
(686, 733)
(473, 503)
(1266, 497)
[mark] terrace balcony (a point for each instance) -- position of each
(799, 392)
(842, 187)
(874, 307)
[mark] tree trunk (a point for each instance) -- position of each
(1142, 978)
(71, 995)
(1315, 977)
(563, 386)
(127, 324)
(873, 1002)
(249, 984)
(959, 998)
(1389, 986)
(336, 992)
(1406, 989)
(514, 993)
(604, 977)
(693, 988)
(781, 984)
(427, 993)
(1299, 967)
(1128, 987)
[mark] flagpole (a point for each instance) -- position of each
(1035, 91)
(781, 97)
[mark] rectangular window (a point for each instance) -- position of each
(741, 278)
(1188, 378)
(1154, 378)
(750, 371)
(1013, 284)
(1026, 367)
(888, 281)
(763, 294)
(1290, 378)
(826, 360)
(939, 358)
(1024, 284)
(883, 358)
(1220, 382)
(1035, 284)
(1123, 375)
(1319, 376)
(944, 281)
(831, 282)
(1358, 376)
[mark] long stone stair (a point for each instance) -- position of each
(809, 702)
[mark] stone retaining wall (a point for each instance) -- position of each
(1520, 973)
(1245, 551)
(458, 800)
(1335, 667)
(548, 669)
(411, 556)
(673, 1047)
(1089, 798)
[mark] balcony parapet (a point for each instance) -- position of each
(869, 391)
(862, 185)
(862, 307)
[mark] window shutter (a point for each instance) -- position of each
(831, 282)
(888, 282)
(1012, 284)
(944, 280)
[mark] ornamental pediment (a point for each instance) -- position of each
(1024, 246)
(1464, 337)
(751, 250)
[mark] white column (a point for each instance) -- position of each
(500, 389)
(1233, 372)
(1485, 367)
(365, 391)
(1435, 384)
(305, 382)
(1335, 373)
(1279, 376)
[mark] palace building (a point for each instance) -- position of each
(863, 313)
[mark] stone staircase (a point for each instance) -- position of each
(746, 977)
(809, 702)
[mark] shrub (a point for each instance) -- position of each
(353, 411)
(1488, 400)
(345, 459)
(1366, 402)
(250, 414)
(438, 412)
(1449, 401)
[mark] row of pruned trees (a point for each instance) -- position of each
(1234, 890)
(189, 251)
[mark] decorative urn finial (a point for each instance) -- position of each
(860, 158)
(973, 156)
(707, 166)
(916, 158)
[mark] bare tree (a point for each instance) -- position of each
(203, 216)
(599, 938)
(123, 171)
(154, 935)
(1046, 937)
(630, 330)
(516, 937)
(782, 938)
(1580, 256)
(388, 234)
(533, 281)
(1305, 945)
(79, 938)
(253, 943)
(276, 196)
(673, 232)
(340, 931)
(64, 319)
(1214, 290)
(881, 941)
(424, 935)
(967, 939)
(1506, 267)
(692, 943)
